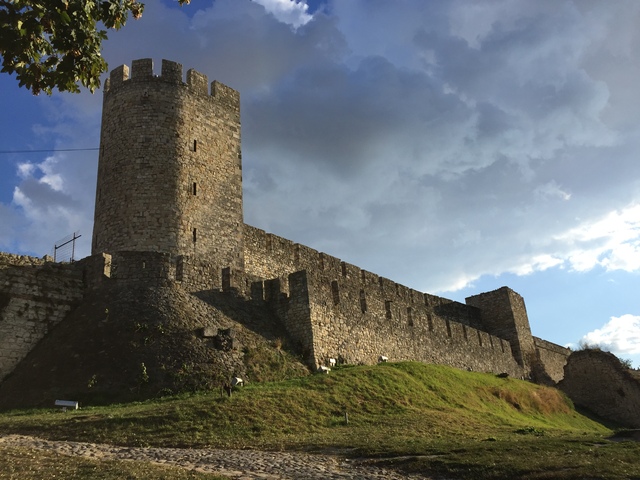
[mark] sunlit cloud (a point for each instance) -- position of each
(620, 335)
(293, 12)
(611, 242)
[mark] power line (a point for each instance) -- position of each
(51, 150)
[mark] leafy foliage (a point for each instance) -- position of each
(57, 43)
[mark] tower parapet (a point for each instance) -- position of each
(170, 173)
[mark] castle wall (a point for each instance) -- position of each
(35, 295)
(270, 256)
(169, 209)
(359, 318)
(504, 314)
(340, 311)
(169, 174)
(552, 357)
(598, 381)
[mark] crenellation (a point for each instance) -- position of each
(118, 76)
(387, 286)
(198, 82)
(171, 71)
(226, 95)
(142, 69)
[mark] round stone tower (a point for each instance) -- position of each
(170, 173)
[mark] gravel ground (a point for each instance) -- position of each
(236, 464)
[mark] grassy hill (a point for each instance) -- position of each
(421, 418)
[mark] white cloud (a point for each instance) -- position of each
(538, 263)
(48, 210)
(293, 12)
(620, 335)
(25, 170)
(611, 242)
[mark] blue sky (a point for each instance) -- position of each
(454, 147)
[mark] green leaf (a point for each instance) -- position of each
(65, 18)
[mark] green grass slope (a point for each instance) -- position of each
(421, 418)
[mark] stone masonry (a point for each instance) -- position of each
(35, 295)
(169, 175)
(169, 211)
(598, 381)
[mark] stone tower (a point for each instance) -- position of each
(169, 173)
(504, 315)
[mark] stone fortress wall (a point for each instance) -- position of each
(35, 295)
(169, 209)
(356, 316)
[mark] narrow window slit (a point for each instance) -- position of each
(363, 301)
(387, 307)
(335, 292)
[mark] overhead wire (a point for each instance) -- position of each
(51, 150)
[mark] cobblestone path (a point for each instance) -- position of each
(236, 464)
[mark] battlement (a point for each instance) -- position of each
(171, 73)
(268, 255)
(346, 320)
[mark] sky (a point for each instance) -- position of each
(454, 147)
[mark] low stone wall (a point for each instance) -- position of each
(35, 295)
(598, 381)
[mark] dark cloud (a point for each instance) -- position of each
(42, 195)
(432, 142)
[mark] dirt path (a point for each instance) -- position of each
(236, 464)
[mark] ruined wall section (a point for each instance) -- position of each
(169, 174)
(552, 358)
(598, 381)
(504, 314)
(35, 295)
